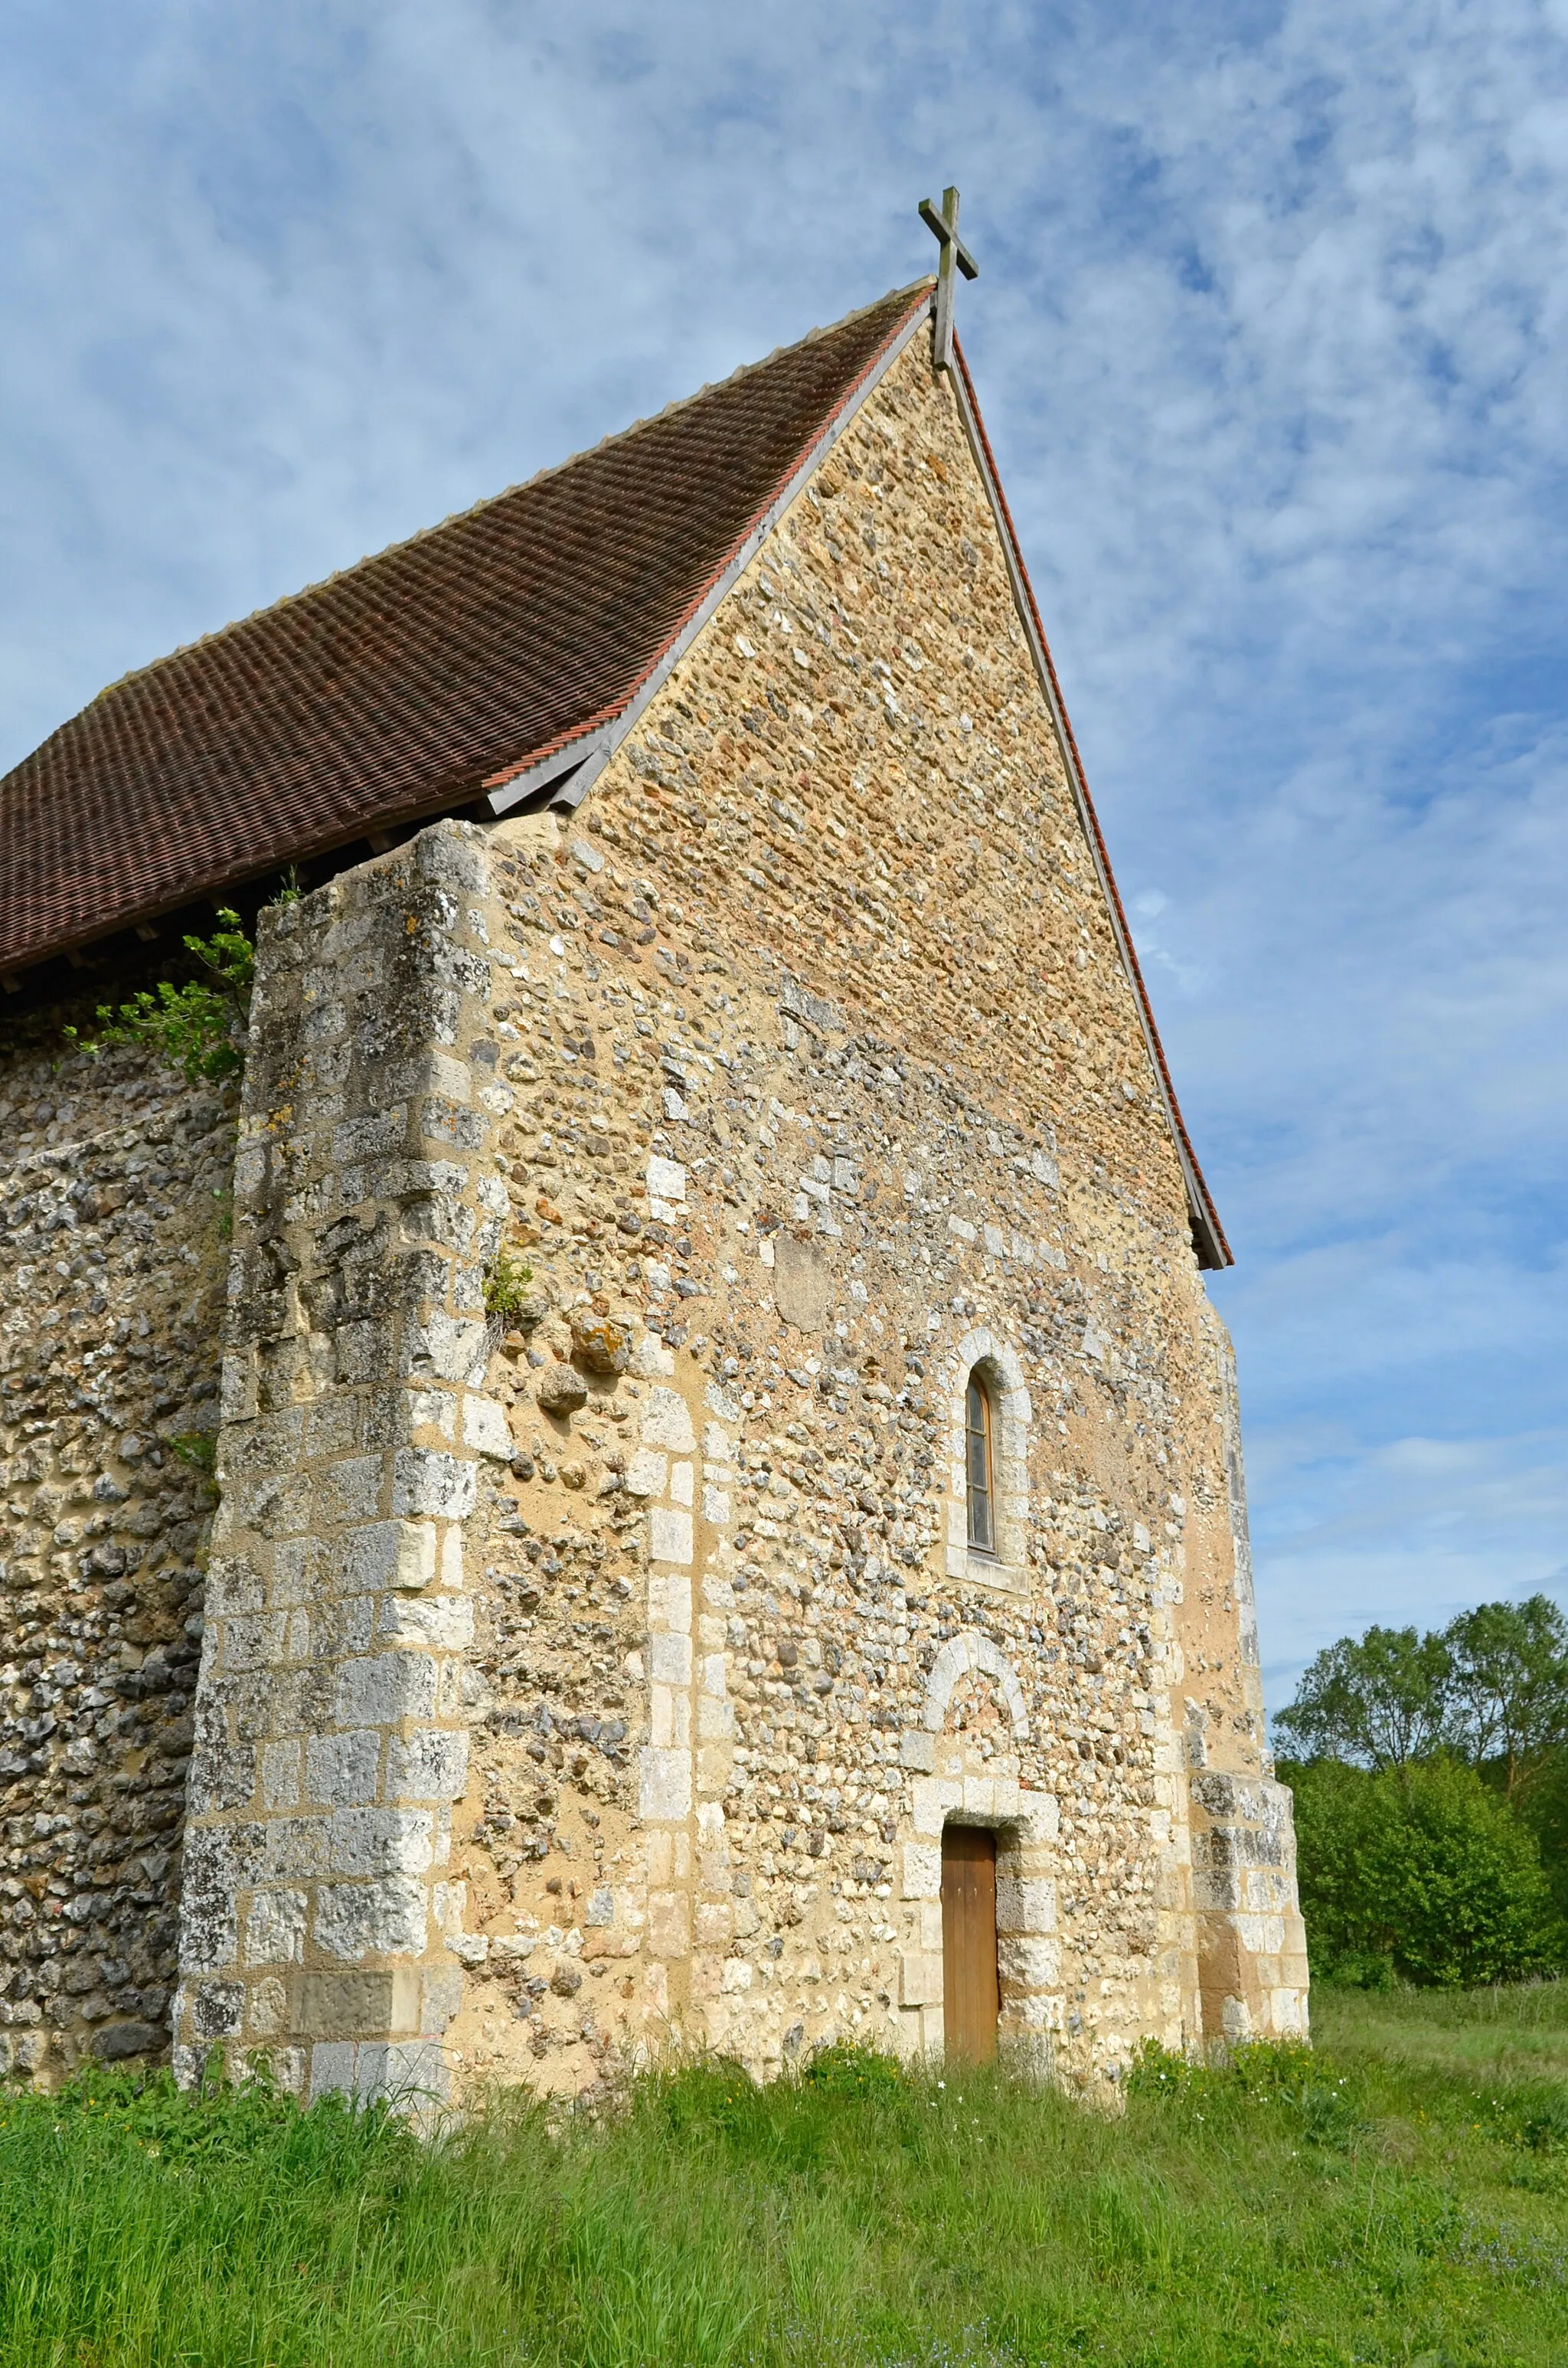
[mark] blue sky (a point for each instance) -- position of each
(1271, 336)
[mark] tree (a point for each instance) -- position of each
(1509, 1689)
(1421, 1869)
(1379, 1701)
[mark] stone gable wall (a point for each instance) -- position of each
(825, 1070)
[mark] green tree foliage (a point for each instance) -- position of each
(200, 1026)
(1432, 1789)
(1491, 1687)
(1420, 1871)
(1379, 1701)
(1508, 1688)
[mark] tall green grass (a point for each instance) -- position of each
(1342, 2205)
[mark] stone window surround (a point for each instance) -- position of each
(1012, 1413)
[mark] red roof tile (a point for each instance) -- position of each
(399, 687)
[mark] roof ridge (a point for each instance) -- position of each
(489, 501)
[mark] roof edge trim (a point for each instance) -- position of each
(1208, 1236)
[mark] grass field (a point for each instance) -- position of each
(1400, 2195)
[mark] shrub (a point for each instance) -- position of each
(1421, 1870)
(200, 1026)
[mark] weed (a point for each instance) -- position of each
(198, 1447)
(505, 1286)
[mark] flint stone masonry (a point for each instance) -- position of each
(113, 1181)
(597, 1677)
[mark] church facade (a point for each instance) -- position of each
(725, 1524)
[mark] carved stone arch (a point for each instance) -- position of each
(971, 1654)
(999, 1367)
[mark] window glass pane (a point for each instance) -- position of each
(978, 1425)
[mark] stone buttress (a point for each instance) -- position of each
(332, 1719)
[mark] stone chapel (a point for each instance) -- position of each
(657, 1472)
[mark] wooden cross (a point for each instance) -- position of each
(944, 227)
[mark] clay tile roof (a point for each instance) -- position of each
(401, 686)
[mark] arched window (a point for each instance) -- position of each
(981, 1463)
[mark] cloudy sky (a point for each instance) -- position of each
(1271, 336)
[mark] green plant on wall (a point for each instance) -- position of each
(505, 1286)
(197, 1447)
(200, 1026)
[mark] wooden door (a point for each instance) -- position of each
(970, 1998)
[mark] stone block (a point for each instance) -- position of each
(669, 1599)
(922, 1870)
(428, 1481)
(376, 1134)
(441, 1997)
(919, 1979)
(332, 1426)
(292, 1848)
(342, 1768)
(442, 1622)
(222, 1774)
(387, 1553)
(233, 1585)
(250, 1641)
(1029, 1965)
(667, 1422)
(386, 1688)
(672, 1534)
(450, 1348)
(646, 1474)
(374, 1842)
(669, 1659)
(663, 1784)
(267, 2013)
(282, 1769)
(666, 1180)
(669, 1924)
(348, 2005)
(382, 1917)
(217, 2009)
(485, 1428)
(931, 1799)
(432, 1766)
(274, 1928)
(1025, 1904)
(218, 1859)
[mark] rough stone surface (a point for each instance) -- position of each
(114, 1178)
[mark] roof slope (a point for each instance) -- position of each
(412, 680)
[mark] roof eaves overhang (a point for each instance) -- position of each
(1208, 1235)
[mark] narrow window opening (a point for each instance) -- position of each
(978, 1431)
